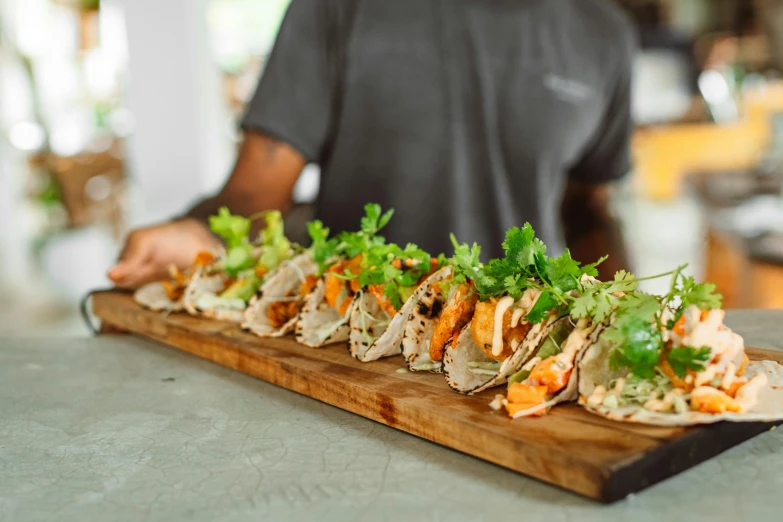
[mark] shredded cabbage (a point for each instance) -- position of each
(425, 365)
(638, 390)
(210, 301)
(484, 368)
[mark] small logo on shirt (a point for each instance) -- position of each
(569, 90)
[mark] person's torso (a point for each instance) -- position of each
(464, 115)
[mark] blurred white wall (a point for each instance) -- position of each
(181, 144)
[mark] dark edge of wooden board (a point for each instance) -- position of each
(606, 483)
(697, 445)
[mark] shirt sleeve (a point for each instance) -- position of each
(296, 97)
(608, 158)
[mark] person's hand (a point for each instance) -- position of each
(149, 252)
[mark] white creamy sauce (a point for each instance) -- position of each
(748, 395)
(726, 346)
(600, 393)
(666, 403)
(531, 363)
(497, 338)
(597, 397)
(498, 402)
(729, 377)
(523, 307)
(528, 299)
(516, 316)
(576, 339)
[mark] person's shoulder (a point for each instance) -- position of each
(607, 20)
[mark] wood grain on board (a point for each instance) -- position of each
(570, 448)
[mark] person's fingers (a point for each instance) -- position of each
(119, 271)
(134, 261)
(137, 245)
(139, 275)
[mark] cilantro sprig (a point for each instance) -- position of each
(323, 248)
(688, 358)
(326, 251)
(351, 244)
(398, 269)
(511, 274)
(637, 332)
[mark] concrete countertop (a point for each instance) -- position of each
(118, 428)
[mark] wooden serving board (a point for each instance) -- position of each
(570, 448)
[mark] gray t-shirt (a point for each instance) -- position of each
(465, 116)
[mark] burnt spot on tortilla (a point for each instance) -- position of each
(424, 309)
(436, 308)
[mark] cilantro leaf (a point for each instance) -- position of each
(638, 345)
(465, 261)
(395, 268)
(323, 249)
(351, 244)
(528, 253)
(604, 304)
(702, 295)
(373, 221)
(687, 358)
(591, 269)
(544, 305)
(644, 306)
(623, 282)
(517, 239)
(563, 272)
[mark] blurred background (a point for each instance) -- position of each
(120, 113)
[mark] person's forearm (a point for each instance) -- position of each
(263, 179)
(592, 231)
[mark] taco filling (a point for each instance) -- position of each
(670, 360)
(245, 265)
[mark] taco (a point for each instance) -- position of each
(677, 365)
(496, 343)
(425, 314)
(382, 310)
(274, 310)
(512, 308)
(242, 270)
(325, 314)
(443, 311)
(168, 295)
(550, 377)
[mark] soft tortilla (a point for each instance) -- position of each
(421, 324)
(373, 333)
(202, 284)
(594, 370)
(319, 324)
(277, 287)
(465, 350)
(153, 296)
